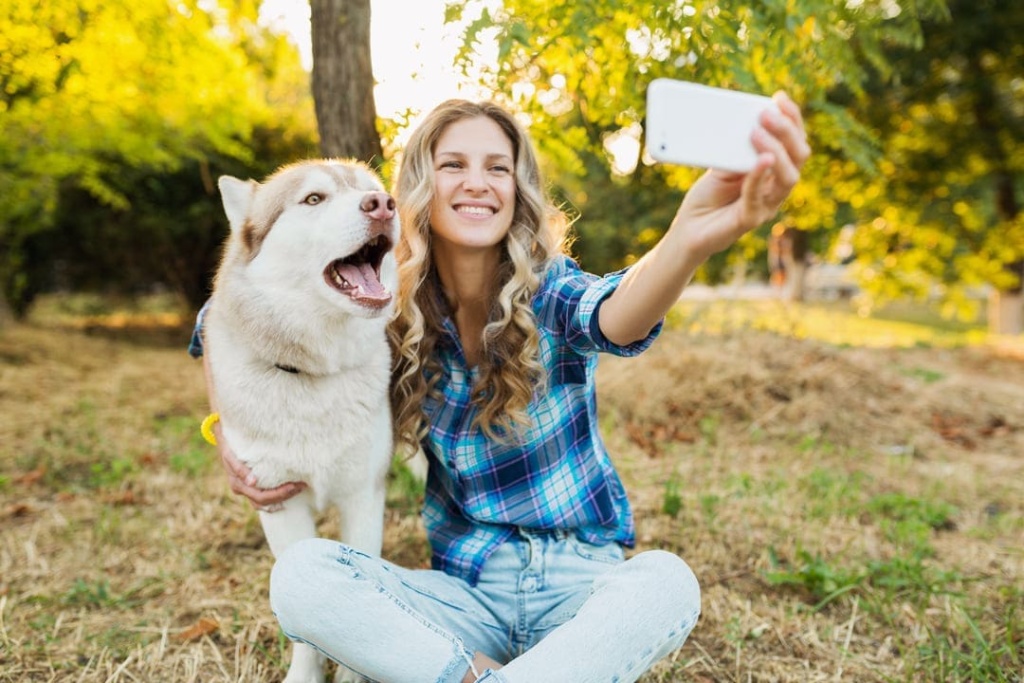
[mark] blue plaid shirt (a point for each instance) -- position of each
(557, 475)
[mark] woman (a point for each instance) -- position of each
(496, 340)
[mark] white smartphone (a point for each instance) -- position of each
(698, 125)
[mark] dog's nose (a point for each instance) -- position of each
(378, 205)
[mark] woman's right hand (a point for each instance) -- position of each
(243, 482)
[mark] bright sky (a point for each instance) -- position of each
(412, 60)
(412, 50)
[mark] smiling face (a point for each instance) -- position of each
(474, 186)
(319, 227)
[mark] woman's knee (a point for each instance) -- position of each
(667, 581)
(297, 578)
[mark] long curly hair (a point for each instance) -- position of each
(510, 371)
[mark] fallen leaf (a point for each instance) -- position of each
(203, 627)
(17, 510)
(32, 477)
(126, 497)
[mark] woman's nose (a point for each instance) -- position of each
(474, 179)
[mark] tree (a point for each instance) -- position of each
(343, 80)
(101, 103)
(946, 215)
(579, 71)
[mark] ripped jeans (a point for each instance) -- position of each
(551, 607)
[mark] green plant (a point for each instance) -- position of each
(924, 374)
(672, 502)
(277, 650)
(111, 473)
(821, 581)
(179, 435)
(405, 489)
(897, 506)
(830, 492)
(93, 595)
(709, 426)
(193, 461)
(709, 505)
(956, 654)
(909, 522)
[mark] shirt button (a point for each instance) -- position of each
(529, 584)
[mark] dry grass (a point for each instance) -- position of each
(854, 514)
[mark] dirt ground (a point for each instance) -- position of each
(853, 514)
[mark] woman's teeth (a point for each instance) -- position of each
(475, 210)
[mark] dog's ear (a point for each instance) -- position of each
(237, 196)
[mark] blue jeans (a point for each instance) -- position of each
(551, 607)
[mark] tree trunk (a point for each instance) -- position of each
(343, 80)
(1006, 308)
(1005, 312)
(6, 317)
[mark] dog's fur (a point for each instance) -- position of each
(299, 361)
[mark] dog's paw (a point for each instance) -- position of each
(303, 677)
(307, 666)
(345, 675)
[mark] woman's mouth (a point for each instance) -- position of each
(472, 210)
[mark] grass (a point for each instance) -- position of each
(852, 505)
(832, 323)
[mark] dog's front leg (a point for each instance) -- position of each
(362, 518)
(362, 527)
(294, 522)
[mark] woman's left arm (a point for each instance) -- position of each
(719, 209)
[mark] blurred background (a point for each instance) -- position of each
(117, 117)
(830, 428)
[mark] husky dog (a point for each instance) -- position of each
(299, 360)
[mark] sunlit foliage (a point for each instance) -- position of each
(886, 86)
(93, 92)
(943, 216)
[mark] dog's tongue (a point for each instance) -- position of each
(365, 284)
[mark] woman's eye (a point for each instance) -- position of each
(500, 169)
(451, 164)
(313, 198)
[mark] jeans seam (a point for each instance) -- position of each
(296, 639)
(463, 656)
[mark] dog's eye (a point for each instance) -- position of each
(313, 198)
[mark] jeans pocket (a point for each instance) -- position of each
(609, 553)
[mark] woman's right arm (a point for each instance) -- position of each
(240, 477)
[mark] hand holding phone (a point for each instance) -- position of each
(698, 125)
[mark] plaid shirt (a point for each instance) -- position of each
(558, 474)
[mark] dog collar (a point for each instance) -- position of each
(287, 368)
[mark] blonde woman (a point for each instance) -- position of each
(496, 341)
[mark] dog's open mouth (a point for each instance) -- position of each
(358, 275)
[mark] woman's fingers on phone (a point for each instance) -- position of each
(789, 127)
(788, 107)
(784, 170)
